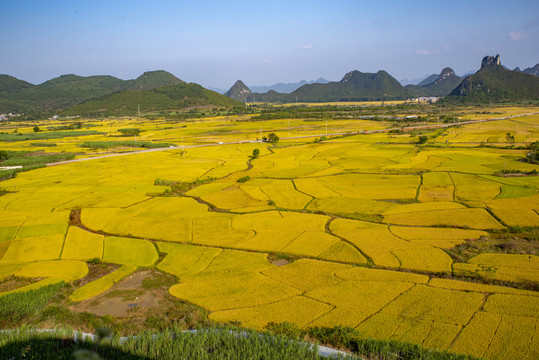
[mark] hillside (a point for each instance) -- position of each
(495, 83)
(239, 91)
(153, 79)
(355, 85)
(170, 97)
(436, 85)
(65, 91)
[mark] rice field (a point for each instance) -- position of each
(351, 231)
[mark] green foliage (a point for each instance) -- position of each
(422, 139)
(348, 338)
(533, 156)
(510, 138)
(129, 131)
(36, 129)
(26, 158)
(179, 188)
(3, 155)
(16, 307)
(243, 179)
(67, 90)
(494, 83)
(256, 153)
(170, 97)
(73, 126)
(45, 135)
(94, 261)
(130, 143)
(273, 138)
(43, 144)
(205, 344)
(355, 86)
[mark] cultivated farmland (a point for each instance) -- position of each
(370, 230)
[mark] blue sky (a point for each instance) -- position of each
(215, 43)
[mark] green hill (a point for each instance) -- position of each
(65, 91)
(153, 79)
(10, 83)
(354, 86)
(495, 83)
(166, 98)
(436, 85)
(239, 91)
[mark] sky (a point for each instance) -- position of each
(214, 43)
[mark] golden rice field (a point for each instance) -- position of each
(361, 224)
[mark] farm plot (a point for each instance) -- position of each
(433, 322)
(385, 249)
(509, 267)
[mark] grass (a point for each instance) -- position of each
(10, 137)
(17, 308)
(131, 143)
(214, 343)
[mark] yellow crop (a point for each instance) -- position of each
(297, 309)
(473, 218)
(510, 304)
(69, 270)
(342, 251)
(102, 284)
(432, 334)
(355, 300)
(437, 237)
(82, 245)
(441, 305)
(310, 243)
(233, 292)
(129, 251)
(34, 249)
(186, 260)
(306, 274)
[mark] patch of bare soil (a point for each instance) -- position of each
(13, 282)
(134, 296)
(281, 262)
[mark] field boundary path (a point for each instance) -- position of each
(437, 126)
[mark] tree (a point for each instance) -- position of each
(36, 128)
(510, 138)
(256, 152)
(273, 138)
(422, 139)
(3, 155)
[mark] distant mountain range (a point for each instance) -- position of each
(354, 86)
(531, 70)
(286, 87)
(499, 84)
(160, 90)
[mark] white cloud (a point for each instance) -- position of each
(427, 52)
(305, 47)
(517, 36)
